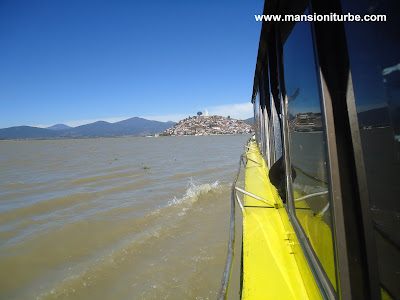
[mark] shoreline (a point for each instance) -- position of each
(115, 137)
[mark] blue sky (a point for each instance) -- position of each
(77, 61)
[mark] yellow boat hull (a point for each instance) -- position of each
(274, 266)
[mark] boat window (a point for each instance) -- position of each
(375, 69)
(277, 134)
(310, 187)
(275, 120)
(257, 117)
(264, 118)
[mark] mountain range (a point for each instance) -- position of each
(130, 127)
(59, 127)
(138, 127)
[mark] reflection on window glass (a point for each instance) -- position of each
(307, 147)
(277, 132)
(375, 68)
(257, 117)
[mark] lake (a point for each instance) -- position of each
(116, 218)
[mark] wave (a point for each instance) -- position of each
(159, 226)
(179, 206)
(193, 191)
(92, 273)
(44, 207)
(56, 204)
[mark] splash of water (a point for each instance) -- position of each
(193, 191)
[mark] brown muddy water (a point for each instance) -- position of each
(116, 218)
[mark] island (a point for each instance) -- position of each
(208, 125)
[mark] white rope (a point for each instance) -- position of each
(311, 195)
(323, 211)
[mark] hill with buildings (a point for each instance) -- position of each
(208, 125)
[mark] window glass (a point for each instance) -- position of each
(312, 203)
(276, 127)
(263, 94)
(257, 117)
(375, 68)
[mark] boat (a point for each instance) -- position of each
(319, 203)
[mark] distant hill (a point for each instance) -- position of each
(24, 132)
(249, 120)
(130, 127)
(59, 127)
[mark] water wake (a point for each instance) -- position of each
(193, 191)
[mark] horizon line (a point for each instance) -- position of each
(114, 120)
(239, 111)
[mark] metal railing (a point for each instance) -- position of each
(223, 291)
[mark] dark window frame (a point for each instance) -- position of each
(320, 274)
(356, 252)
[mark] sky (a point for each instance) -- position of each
(79, 61)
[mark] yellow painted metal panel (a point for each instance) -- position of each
(273, 266)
